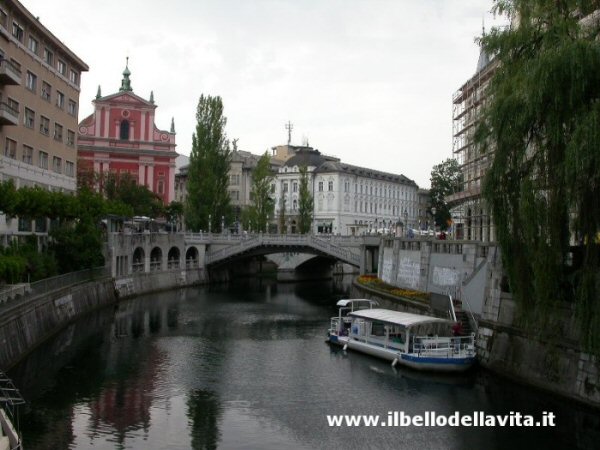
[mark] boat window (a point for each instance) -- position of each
(378, 329)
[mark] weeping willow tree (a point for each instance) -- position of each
(542, 121)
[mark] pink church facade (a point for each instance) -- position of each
(120, 137)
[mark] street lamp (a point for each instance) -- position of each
(267, 225)
(222, 224)
(433, 210)
(209, 221)
(405, 222)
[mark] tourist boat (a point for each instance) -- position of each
(413, 340)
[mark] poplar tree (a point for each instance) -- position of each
(208, 171)
(542, 122)
(305, 203)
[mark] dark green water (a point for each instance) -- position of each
(246, 366)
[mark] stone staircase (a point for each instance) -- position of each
(462, 317)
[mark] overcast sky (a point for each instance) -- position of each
(369, 81)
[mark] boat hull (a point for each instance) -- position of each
(414, 361)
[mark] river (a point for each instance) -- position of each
(246, 365)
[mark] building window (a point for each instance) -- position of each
(295, 204)
(43, 160)
(74, 77)
(234, 195)
(272, 188)
(14, 105)
(73, 108)
(285, 188)
(295, 186)
(320, 186)
(160, 187)
(69, 168)
(48, 56)
(27, 154)
(56, 164)
(44, 125)
(3, 18)
(24, 224)
(31, 81)
(330, 186)
(33, 45)
(70, 138)
(60, 99)
(29, 118)
(46, 91)
(61, 67)
(10, 148)
(18, 32)
(58, 132)
(124, 133)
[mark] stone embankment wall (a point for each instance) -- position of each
(146, 282)
(554, 361)
(26, 324)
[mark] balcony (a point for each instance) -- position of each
(9, 73)
(8, 115)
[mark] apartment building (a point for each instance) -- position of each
(39, 102)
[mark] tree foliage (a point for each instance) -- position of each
(543, 123)
(446, 179)
(208, 171)
(262, 204)
(305, 203)
(138, 200)
(76, 235)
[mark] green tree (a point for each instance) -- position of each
(281, 214)
(208, 171)
(124, 189)
(445, 179)
(174, 213)
(305, 203)
(544, 183)
(262, 204)
(77, 244)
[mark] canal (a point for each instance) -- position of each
(246, 366)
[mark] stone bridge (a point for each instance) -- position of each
(222, 248)
(140, 253)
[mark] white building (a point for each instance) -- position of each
(348, 200)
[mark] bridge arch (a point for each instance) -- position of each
(156, 259)
(173, 258)
(138, 260)
(192, 258)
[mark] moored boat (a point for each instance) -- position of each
(413, 340)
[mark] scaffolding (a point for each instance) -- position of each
(469, 213)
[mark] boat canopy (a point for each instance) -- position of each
(348, 302)
(396, 317)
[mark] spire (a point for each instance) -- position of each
(99, 93)
(126, 82)
(173, 125)
(152, 97)
(289, 127)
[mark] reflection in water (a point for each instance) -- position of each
(204, 414)
(245, 366)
